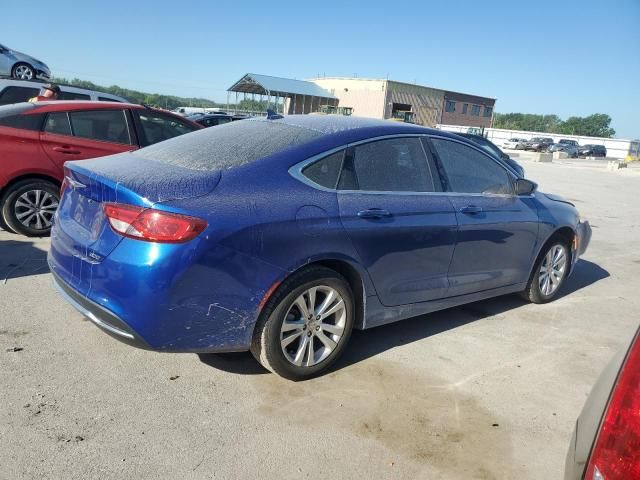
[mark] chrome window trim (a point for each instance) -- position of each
(296, 170)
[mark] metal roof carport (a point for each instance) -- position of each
(298, 96)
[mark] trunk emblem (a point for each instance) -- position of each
(74, 183)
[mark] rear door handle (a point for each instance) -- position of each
(66, 150)
(471, 209)
(375, 213)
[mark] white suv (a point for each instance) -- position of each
(16, 91)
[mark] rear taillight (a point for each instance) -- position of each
(152, 225)
(616, 453)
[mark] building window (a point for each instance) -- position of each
(451, 106)
(475, 110)
(465, 107)
(488, 111)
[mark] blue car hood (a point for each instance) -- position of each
(557, 198)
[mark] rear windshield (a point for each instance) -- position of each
(229, 145)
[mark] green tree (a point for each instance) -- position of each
(596, 125)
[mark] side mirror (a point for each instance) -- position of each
(525, 187)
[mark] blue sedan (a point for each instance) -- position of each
(280, 236)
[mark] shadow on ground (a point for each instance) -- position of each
(369, 343)
(21, 259)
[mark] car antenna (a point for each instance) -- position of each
(271, 115)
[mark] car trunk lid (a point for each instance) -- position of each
(82, 231)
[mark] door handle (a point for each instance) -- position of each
(66, 150)
(471, 209)
(375, 213)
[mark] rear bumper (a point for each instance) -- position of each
(107, 321)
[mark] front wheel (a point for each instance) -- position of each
(23, 71)
(306, 325)
(28, 207)
(549, 273)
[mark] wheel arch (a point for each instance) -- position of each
(564, 232)
(29, 176)
(353, 274)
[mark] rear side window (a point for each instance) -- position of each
(17, 94)
(105, 99)
(73, 96)
(393, 165)
(229, 145)
(469, 171)
(57, 123)
(102, 125)
(325, 172)
(157, 127)
(18, 116)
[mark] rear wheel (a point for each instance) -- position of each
(549, 273)
(23, 71)
(28, 207)
(306, 325)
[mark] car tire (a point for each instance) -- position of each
(28, 207)
(23, 71)
(550, 271)
(285, 343)
(3, 224)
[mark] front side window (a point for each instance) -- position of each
(325, 172)
(451, 106)
(392, 165)
(101, 125)
(57, 123)
(157, 127)
(475, 110)
(470, 171)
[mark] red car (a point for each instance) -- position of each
(37, 138)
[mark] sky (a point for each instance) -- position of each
(564, 57)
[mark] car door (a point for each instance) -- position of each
(497, 230)
(79, 135)
(402, 226)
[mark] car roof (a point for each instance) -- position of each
(55, 105)
(332, 124)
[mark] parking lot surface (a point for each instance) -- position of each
(488, 390)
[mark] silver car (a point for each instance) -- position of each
(21, 66)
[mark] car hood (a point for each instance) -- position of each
(557, 198)
(24, 56)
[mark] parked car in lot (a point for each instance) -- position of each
(16, 91)
(605, 444)
(21, 66)
(514, 143)
(570, 147)
(493, 149)
(36, 139)
(592, 151)
(539, 144)
(280, 236)
(212, 120)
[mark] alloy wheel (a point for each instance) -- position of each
(23, 72)
(35, 209)
(313, 326)
(552, 270)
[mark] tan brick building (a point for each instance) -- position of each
(383, 98)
